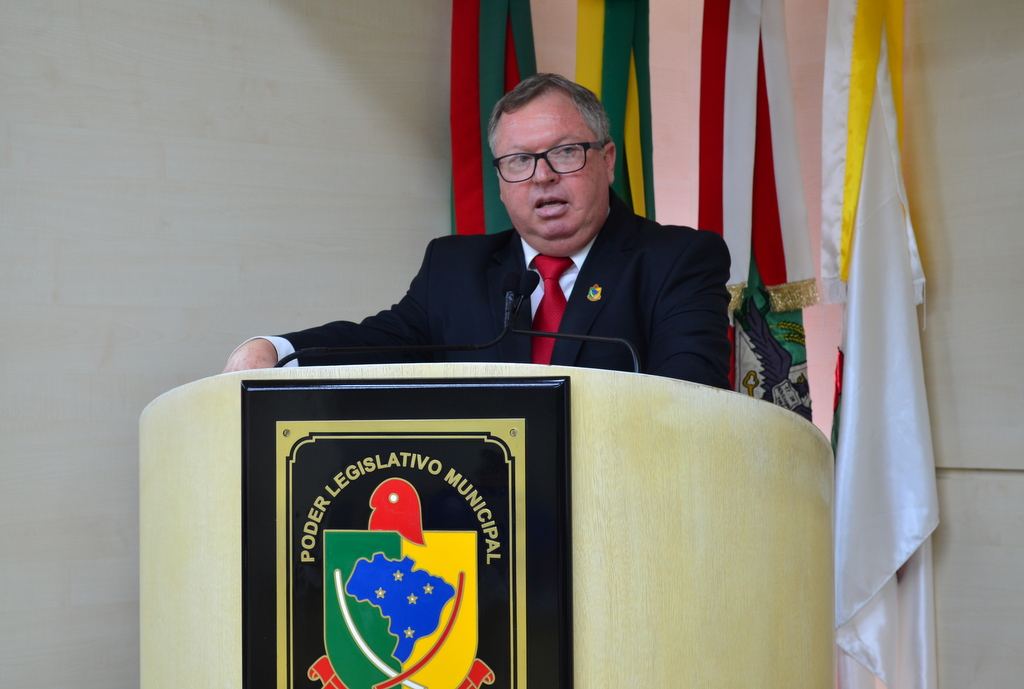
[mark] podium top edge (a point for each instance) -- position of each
(482, 370)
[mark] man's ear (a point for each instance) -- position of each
(609, 161)
(501, 185)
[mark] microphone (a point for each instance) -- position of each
(509, 285)
(515, 290)
(525, 288)
(586, 338)
(529, 283)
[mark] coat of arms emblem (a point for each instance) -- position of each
(400, 603)
(383, 550)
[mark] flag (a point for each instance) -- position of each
(613, 61)
(886, 506)
(492, 51)
(751, 192)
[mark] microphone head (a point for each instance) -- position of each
(529, 283)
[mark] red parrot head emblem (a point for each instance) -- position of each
(396, 507)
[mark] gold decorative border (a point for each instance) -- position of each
(735, 295)
(794, 295)
(505, 433)
(789, 296)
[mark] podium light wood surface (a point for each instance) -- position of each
(702, 531)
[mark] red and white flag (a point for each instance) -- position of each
(751, 192)
(751, 189)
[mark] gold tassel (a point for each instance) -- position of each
(735, 295)
(793, 295)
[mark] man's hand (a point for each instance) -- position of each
(256, 353)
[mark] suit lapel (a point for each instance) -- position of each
(508, 259)
(603, 268)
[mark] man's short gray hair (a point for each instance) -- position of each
(528, 89)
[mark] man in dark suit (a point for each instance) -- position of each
(613, 273)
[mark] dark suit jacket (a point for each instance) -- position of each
(662, 288)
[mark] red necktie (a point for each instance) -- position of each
(552, 305)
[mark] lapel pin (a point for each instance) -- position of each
(594, 293)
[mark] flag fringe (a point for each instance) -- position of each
(792, 296)
(736, 295)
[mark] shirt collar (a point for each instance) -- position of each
(529, 253)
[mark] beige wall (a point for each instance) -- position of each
(178, 175)
(964, 159)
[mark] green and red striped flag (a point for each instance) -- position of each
(492, 51)
(613, 61)
(751, 192)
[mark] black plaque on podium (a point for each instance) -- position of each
(406, 533)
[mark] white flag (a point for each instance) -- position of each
(886, 504)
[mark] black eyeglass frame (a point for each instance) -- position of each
(543, 155)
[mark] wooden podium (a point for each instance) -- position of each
(701, 545)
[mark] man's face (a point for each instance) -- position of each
(555, 214)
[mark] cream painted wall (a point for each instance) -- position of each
(176, 175)
(964, 161)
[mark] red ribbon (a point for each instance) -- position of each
(478, 674)
(324, 671)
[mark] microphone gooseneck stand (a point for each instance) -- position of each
(515, 290)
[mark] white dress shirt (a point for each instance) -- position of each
(568, 279)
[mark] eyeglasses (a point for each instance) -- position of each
(519, 167)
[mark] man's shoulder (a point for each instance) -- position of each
(674, 239)
(644, 234)
(473, 243)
